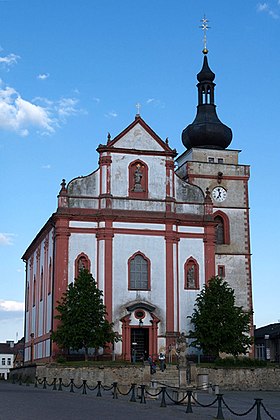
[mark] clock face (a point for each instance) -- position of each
(219, 194)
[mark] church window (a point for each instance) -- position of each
(34, 291)
(82, 263)
(139, 272)
(191, 274)
(221, 271)
(222, 228)
(211, 160)
(27, 297)
(220, 160)
(41, 285)
(50, 277)
(138, 179)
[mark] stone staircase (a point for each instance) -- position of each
(170, 377)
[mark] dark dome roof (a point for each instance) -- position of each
(206, 130)
(205, 73)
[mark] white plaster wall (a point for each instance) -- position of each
(78, 243)
(156, 174)
(139, 205)
(189, 247)
(138, 138)
(190, 229)
(236, 275)
(124, 246)
(140, 226)
(83, 224)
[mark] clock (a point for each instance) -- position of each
(219, 194)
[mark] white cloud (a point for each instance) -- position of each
(43, 76)
(262, 7)
(111, 114)
(265, 7)
(155, 102)
(11, 306)
(21, 116)
(6, 238)
(9, 60)
(97, 100)
(17, 114)
(48, 166)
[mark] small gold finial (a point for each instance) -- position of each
(205, 28)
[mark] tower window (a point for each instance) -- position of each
(139, 272)
(222, 228)
(220, 160)
(221, 271)
(219, 230)
(211, 160)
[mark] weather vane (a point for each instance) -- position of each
(205, 28)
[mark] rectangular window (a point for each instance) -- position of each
(221, 271)
(3, 361)
(220, 160)
(9, 361)
(211, 160)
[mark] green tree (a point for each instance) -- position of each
(219, 325)
(82, 316)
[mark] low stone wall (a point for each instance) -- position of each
(266, 379)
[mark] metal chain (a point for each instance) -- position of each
(267, 412)
(240, 414)
(204, 405)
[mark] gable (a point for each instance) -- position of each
(139, 136)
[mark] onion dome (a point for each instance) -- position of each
(206, 131)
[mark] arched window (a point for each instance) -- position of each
(222, 228)
(138, 179)
(41, 285)
(27, 297)
(139, 272)
(34, 291)
(191, 269)
(82, 263)
(50, 277)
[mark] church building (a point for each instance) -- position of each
(152, 228)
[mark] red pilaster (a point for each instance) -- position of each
(60, 283)
(209, 251)
(170, 239)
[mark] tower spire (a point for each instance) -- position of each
(206, 131)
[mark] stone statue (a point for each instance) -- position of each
(137, 179)
(182, 350)
(190, 278)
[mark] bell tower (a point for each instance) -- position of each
(208, 163)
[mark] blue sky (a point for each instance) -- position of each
(71, 71)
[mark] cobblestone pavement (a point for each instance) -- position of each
(26, 402)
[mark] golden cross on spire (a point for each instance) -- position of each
(205, 28)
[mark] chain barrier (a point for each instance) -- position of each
(189, 397)
(239, 414)
(124, 393)
(267, 412)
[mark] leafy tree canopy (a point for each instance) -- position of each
(83, 316)
(219, 325)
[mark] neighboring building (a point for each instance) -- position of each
(151, 229)
(267, 342)
(6, 358)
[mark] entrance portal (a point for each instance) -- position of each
(139, 344)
